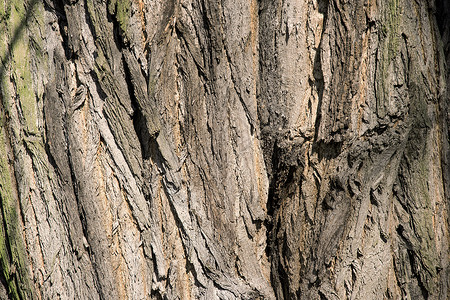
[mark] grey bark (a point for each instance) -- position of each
(224, 149)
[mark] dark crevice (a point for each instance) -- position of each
(211, 41)
(443, 21)
(155, 294)
(59, 10)
(443, 16)
(283, 166)
(283, 275)
(282, 279)
(4, 285)
(317, 68)
(286, 176)
(118, 34)
(272, 196)
(101, 93)
(329, 150)
(322, 296)
(138, 118)
(319, 84)
(413, 260)
(6, 241)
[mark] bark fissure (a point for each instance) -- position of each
(224, 150)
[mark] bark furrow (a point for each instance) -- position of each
(224, 149)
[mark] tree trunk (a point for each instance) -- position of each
(251, 149)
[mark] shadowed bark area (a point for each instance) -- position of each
(224, 149)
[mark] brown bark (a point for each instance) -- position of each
(224, 149)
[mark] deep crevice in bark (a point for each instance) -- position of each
(284, 161)
(7, 243)
(443, 17)
(4, 293)
(117, 34)
(317, 69)
(414, 262)
(59, 9)
(138, 118)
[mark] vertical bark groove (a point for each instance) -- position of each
(224, 150)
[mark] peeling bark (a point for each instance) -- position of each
(224, 150)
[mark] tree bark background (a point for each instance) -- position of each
(224, 149)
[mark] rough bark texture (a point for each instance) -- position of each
(199, 149)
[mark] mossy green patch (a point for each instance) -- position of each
(21, 67)
(5, 201)
(389, 43)
(12, 251)
(123, 13)
(5, 10)
(121, 10)
(393, 23)
(17, 92)
(2, 10)
(419, 158)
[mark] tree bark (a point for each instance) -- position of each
(224, 149)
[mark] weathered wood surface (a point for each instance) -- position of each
(224, 149)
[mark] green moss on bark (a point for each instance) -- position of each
(18, 99)
(121, 10)
(13, 258)
(420, 198)
(389, 42)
